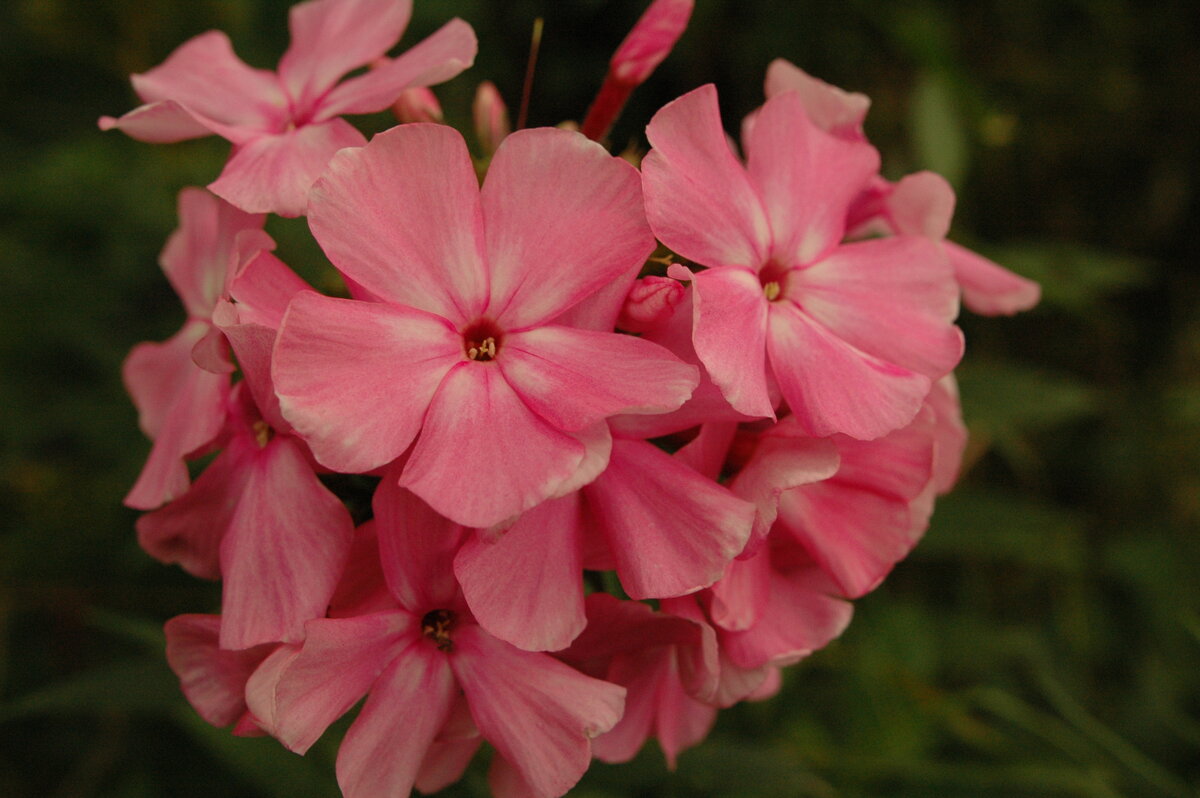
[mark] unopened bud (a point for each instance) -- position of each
(650, 304)
(491, 117)
(418, 104)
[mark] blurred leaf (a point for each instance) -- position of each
(939, 135)
(1073, 277)
(1004, 399)
(145, 633)
(140, 685)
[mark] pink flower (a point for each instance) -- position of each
(491, 117)
(854, 334)
(461, 354)
(286, 125)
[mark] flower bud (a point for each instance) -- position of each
(418, 104)
(491, 117)
(650, 304)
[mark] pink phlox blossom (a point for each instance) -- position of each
(462, 354)
(419, 664)
(853, 333)
(919, 204)
(286, 125)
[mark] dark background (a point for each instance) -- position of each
(1042, 640)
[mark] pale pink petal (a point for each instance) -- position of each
(539, 713)
(563, 219)
(155, 374)
(205, 76)
(214, 680)
(483, 456)
(163, 122)
(988, 288)
(950, 433)
(435, 59)
(341, 658)
(252, 344)
(831, 386)
(383, 751)
(444, 763)
(740, 597)
(574, 378)
(416, 547)
(526, 585)
(597, 444)
(263, 286)
(671, 530)
(730, 318)
(832, 109)
(355, 378)
(893, 298)
(682, 721)
(781, 462)
(284, 551)
(332, 37)
(600, 310)
(921, 204)
(273, 172)
(806, 178)
(211, 353)
(770, 686)
(401, 217)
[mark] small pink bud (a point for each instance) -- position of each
(650, 304)
(491, 117)
(418, 104)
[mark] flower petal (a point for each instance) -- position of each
(730, 330)
(401, 217)
(988, 288)
(416, 547)
(832, 109)
(445, 762)
(355, 378)
(214, 680)
(165, 122)
(563, 219)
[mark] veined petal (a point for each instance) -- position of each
(563, 219)
(407, 706)
(273, 172)
(416, 546)
(401, 217)
(539, 713)
(435, 59)
(214, 680)
(332, 37)
(730, 330)
(833, 387)
(445, 762)
(574, 378)
(740, 597)
(483, 456)
(988, 288)
(806, 178)
(355, 378)
(893, 298)
(164, 122)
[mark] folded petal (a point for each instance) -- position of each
(205, 76)
(806, 178)
(699, 199)
(355, 378)
(263, 286)
(273, 172)
(214, 680)
(831, 386)
(893, 298)
(563, 219)
(416, 546)
(383, 751)
(435, 59)
(538, 713)
(730, 330)
(832, 109)
(401, 217)
(444, 764)
(740, 597)
(483, 456)
(285, 549)
(987, 287)
(332, 37)
(782, 462)
(671, 530)
(574, 378)
(950, 433)
(165, 122)
(526, 585)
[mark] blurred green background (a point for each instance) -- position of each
(1044, 639)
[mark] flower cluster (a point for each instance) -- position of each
(630, 438)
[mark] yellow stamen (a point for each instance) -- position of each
(262, 433)
(771, 291)
(484, 350)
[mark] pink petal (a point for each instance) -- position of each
(263, 287)
(682, 721)
(806, 178)
(950, 433)
(831, 386)
(740, 597)
(444, 763)
(832, 109)
(671, 530)
(483, 456)
(893, 298)
(538, 713)
(287, 544)
(526, 585)
(730, 329)
(650, 303)
(213, 680)
(204, 76)
(163, 122)
(401, 217)
(574, 378)
(987, 287)
(332, 37)
(355, 378)
(340, 660)
(416, 547)
(273, 172)
(642, 677)
(708, 451)
(563, 219)
(362, 588)
(921, 204)
(435, 59)
(407, 706)
(699, 199)
(597, 445)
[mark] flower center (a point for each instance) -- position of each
(262, 433)
(482, 340)
(773, 278)
(771, 290)
(436, 625)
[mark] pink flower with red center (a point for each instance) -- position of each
(461, 354)
(286, 125)
(854, 333)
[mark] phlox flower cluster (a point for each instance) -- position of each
(628, 439)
